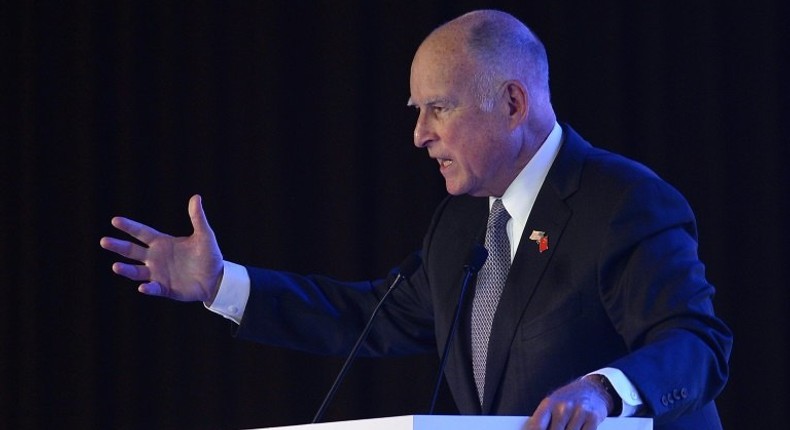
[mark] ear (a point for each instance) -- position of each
(517, 100)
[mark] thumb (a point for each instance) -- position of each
(197, 215)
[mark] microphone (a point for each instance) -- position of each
(406, 269)
(474, 261)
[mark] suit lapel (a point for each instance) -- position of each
(549, 214)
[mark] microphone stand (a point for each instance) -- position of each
(477, 256)
(407, 268)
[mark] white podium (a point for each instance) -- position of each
(457, 422)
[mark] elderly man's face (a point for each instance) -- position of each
(472, 147)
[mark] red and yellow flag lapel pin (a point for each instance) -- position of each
(541, 239)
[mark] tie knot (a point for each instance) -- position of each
(498, 216)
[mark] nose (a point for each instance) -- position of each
(423, 132)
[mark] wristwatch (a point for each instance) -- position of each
(603, 382)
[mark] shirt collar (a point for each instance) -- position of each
(520, 195)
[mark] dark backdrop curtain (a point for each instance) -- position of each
(289, 118)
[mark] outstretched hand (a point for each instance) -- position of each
(580, 405)
(180, 268)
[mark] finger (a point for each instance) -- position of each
(592, 422)
(538, 422)
(540, 418)
(197, 215)
(124, 248)
(559, 417)
(132, 271)
(139, 231)
(151, 289)
(579, 419)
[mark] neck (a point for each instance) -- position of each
(534, 133)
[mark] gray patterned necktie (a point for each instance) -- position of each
(490, 282)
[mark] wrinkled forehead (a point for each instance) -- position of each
(440, 66)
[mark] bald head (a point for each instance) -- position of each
(500, 48)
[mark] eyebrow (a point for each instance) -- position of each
(431, 102)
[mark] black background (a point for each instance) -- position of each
(290, 119)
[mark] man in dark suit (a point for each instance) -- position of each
(601, 305)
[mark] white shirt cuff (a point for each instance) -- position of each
(233, 293)
(625, 389)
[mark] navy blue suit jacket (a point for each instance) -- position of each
(620, 285)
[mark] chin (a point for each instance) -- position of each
(460, 191)
(455, 191)
(459, 188)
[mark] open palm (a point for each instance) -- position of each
(180, 268)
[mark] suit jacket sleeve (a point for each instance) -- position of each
(654, 290)
(325, 316)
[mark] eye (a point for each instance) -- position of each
(439, 109)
